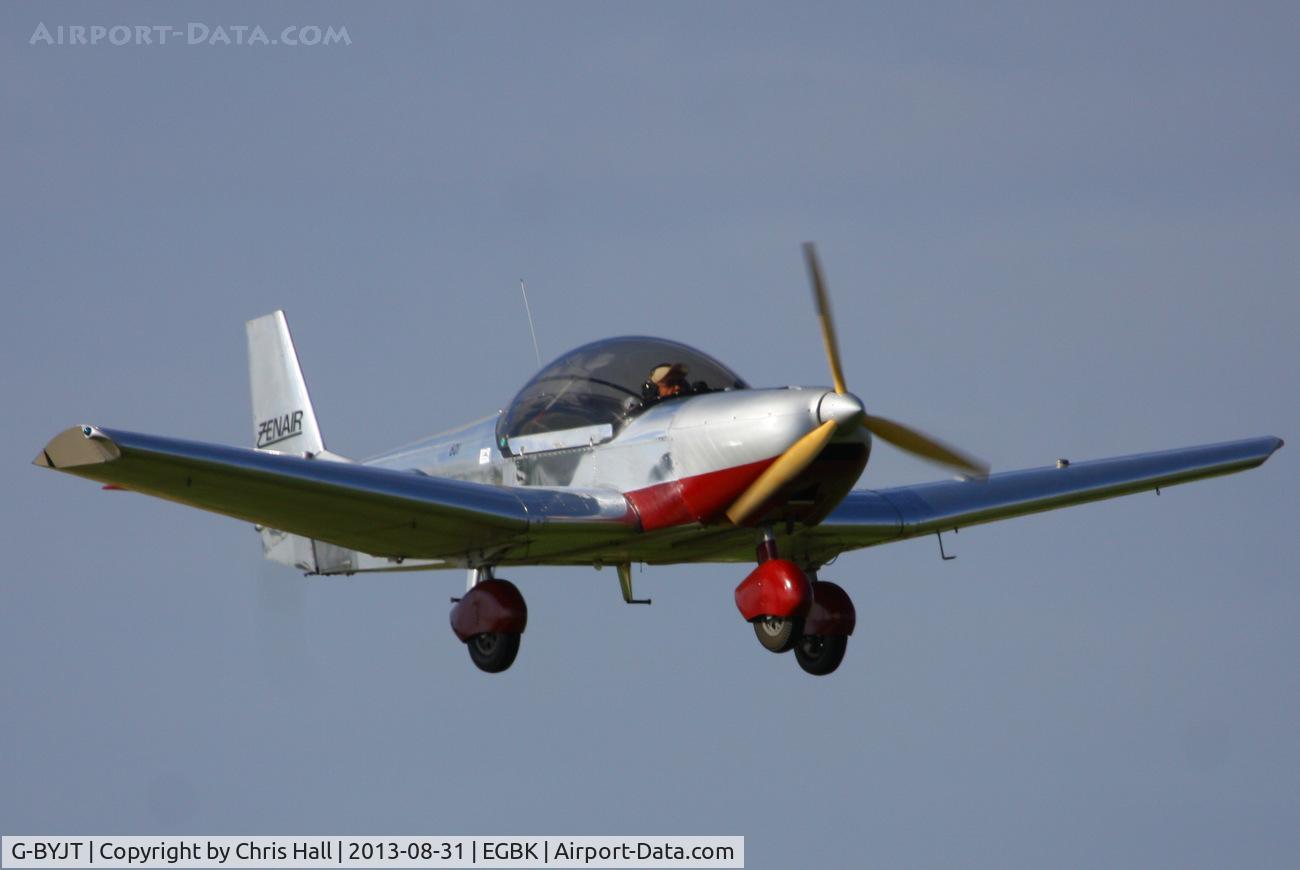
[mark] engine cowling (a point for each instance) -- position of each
(492, 606)
(778, 588)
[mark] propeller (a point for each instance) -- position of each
(800, 455)
(787, 467)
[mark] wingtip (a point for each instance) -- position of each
(79, 445)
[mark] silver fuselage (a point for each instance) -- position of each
(678, 438)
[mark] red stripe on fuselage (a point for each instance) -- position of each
(701, 498)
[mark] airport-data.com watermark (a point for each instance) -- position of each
(191, 33)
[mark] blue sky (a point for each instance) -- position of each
(1049, 230)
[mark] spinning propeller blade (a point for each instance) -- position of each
(787, 467)
(800, 455)
(823, 302)
(919, 444)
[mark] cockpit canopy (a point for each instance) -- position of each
(609, 382)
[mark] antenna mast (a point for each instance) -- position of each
(528, 309)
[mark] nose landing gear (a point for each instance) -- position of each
(791, 612)
(776, 634)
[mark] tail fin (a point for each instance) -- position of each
(283, 418)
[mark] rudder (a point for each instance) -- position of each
(283, 418)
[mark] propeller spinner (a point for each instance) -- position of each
(839, 409)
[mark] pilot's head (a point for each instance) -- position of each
(669, 379)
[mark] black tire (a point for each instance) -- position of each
(776, 634)
(821, 654)
(493, 651)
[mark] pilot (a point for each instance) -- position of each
(668, 380)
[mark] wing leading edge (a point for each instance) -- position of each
(402, 514)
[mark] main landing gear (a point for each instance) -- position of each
(493, 651)
(791, 612)
(821, 654)
(489, 620)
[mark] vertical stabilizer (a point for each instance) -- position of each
(283, 418)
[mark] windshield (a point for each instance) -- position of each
(610, 382)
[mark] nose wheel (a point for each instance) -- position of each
(791, 611)
(776, 634)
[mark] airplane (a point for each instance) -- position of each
(626, 450)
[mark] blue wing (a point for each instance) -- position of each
(867, 517)
(405, 514)
(400, 514)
